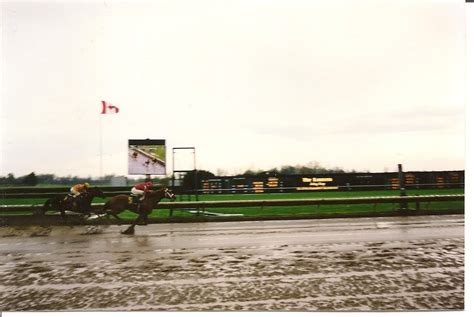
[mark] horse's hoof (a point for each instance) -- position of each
(92, 230)
(129, 231)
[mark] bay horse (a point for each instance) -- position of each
(119, 203)
(80, 204)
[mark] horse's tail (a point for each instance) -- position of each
(45, 207)
(106, 207)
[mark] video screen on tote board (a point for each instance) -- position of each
(146, 157)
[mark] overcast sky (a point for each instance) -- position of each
(251, 84)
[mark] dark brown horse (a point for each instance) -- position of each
(119, 203)
(80, 204)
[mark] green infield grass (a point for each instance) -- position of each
(323, 210)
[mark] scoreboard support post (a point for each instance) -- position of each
(181, 171)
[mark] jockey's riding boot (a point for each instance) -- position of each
(139, 201)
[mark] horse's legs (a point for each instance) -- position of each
(131, 229)
(142, 219)
(112, 212)
(108, 214)
(63, 215)
(117, 217)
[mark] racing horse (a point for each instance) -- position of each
(119, 203)
(80, 204)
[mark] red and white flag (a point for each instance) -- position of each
(108, 108)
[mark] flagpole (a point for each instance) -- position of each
(100, 146)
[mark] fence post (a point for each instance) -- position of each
(401, 181)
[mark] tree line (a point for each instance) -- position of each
(309, 168)
(190, 179)
(32, 179)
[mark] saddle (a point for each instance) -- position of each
(133, 199)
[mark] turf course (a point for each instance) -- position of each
(330, 209)
(325, 210)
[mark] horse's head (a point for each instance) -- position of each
(159, 194)
(169, 194)
(95, 192)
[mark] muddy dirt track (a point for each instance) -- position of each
(396, 263)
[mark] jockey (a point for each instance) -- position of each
(142, 188)
(78, 189)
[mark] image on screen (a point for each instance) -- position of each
(146, 157)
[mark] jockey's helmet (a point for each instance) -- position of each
(86, 185)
